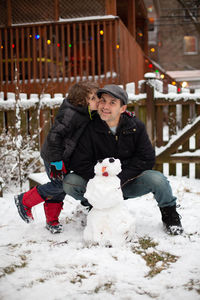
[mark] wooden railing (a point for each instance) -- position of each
(49, 57)
(132, 61)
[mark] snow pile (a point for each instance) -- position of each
(32, 102)
(109, 222)
(172, 88)
(35, 264)
(130, 88)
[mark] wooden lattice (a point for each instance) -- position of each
(78, 8)
(2, 12)
(30, 11)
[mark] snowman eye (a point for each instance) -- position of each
(111, 160)
(100, 161)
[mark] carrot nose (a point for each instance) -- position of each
(103, 169)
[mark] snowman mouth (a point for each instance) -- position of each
(104, 173)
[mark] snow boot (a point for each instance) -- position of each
(25, 202)
(171, 220)
(52, 212)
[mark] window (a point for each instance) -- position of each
(190, 45)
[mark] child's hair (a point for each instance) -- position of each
(79, 92)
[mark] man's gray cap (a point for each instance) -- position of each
(115, 91)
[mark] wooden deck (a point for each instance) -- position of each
(49, 57)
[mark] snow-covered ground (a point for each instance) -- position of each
(36, 264)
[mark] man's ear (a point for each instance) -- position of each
(123, 108)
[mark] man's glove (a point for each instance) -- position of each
(58, 170)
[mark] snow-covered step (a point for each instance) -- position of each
(37, 179)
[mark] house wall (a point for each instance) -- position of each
(170, 27)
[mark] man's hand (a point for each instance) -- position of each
(58, 170)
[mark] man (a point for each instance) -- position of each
(116, 134)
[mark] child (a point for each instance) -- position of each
(72, 118)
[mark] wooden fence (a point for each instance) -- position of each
(172, 121)
(173, 124)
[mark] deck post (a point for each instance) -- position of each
(150, 106)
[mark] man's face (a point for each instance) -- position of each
(93, 100)
(110, 109)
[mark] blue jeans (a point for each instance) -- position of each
(51, 191)
(148, 181)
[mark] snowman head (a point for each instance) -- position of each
(108, 167)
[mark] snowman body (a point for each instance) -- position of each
(109, 222)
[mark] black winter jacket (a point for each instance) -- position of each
(62, 138)
(130, 144)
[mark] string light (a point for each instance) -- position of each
(1, 46)
(37, 36)
(173, 82)
(150, 8)
(152, 49)
(48, 42)
(184, 84)
(150, 66)
(151, 20)
(58, 44)
(117, 46)
(101, 32)
(162, 76)
(13, 46)
(70, 45)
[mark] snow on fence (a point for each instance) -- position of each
(165, 116)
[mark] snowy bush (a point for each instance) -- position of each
(16, 164)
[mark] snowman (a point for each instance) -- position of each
(109, 222)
